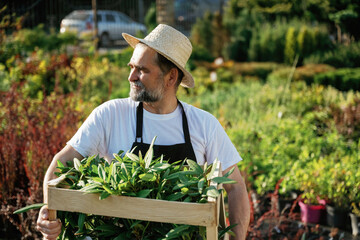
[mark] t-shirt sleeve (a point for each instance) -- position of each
(220, 146)
(87, 140)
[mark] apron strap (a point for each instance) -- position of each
(139, 123)
(185, 125)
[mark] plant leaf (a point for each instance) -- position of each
(132, 157)
(229, 172)
(195, 166)
(148, 177)
(223, 180)
(143, 193)
(77, 164)
(104, 195)
(149, 154)
(212, 192)
(27, 208)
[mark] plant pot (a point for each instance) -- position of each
(311, 213)
(355, 224)
(336, 217)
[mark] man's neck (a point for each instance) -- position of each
(163, 106)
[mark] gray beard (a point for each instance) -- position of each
(144, 95)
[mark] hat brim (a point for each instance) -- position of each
(187, 80)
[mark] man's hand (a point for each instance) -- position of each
(239, 206)
(49, 229)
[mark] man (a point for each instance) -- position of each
(183, 131)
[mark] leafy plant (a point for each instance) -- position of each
(136, 176)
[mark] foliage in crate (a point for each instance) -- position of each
(136, 176)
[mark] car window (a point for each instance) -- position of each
(99, 17)
(77, 16)
(110, 18)
(124, 18)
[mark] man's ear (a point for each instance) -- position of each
(172, 77)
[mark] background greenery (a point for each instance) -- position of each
(286, 91)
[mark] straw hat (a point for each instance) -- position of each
(170, 43)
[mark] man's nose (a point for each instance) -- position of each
(133, 76)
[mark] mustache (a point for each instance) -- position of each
(137, 84)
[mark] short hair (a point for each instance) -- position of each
(166, 65)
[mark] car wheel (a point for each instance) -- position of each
(105, 40)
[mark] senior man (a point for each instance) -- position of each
(157, 68)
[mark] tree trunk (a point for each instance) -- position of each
(165, 12)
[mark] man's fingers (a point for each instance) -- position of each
(44, 213)
(49, 227)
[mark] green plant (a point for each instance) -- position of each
(150, 18)
(257, 69)
(135, 176)
(344, 79)
(342, 56)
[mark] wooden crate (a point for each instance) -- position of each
(210, 214)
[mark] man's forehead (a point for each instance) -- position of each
(143, 53)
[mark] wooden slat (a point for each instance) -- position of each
(212, 233)
(199, 214)
(52, 215)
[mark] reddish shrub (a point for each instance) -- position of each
(32, 131)
(347, 119)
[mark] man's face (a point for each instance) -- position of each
(146, 79)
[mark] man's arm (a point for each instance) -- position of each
(51, 229)
(68, 153)
(239, 206)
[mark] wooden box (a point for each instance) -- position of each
(211, 214)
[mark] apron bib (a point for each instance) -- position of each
(172, 153)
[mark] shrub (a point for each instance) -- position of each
(30, 39)
(150, 18)
(120, 59)
(201, 53)
(201, 32)
(257, 69)
(243, 25)
(290, 46)
(344, 79)
(305, 73)
(308, 72)
(268, 42)
(31, 133)
(342, 56)
(347, 119)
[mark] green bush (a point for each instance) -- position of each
(341, 57)
(31, 39)
(201, 53)
(308, 72)
(202, 33)
(150, 18)
(243, 26)
(305, 73)
(257, 69)
(267, 42)
(120, 59)
(344, 79)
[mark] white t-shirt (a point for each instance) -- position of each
(111, 127)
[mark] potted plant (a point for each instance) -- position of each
(336, 187)
(312, 206)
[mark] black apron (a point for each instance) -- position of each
(172, 153)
